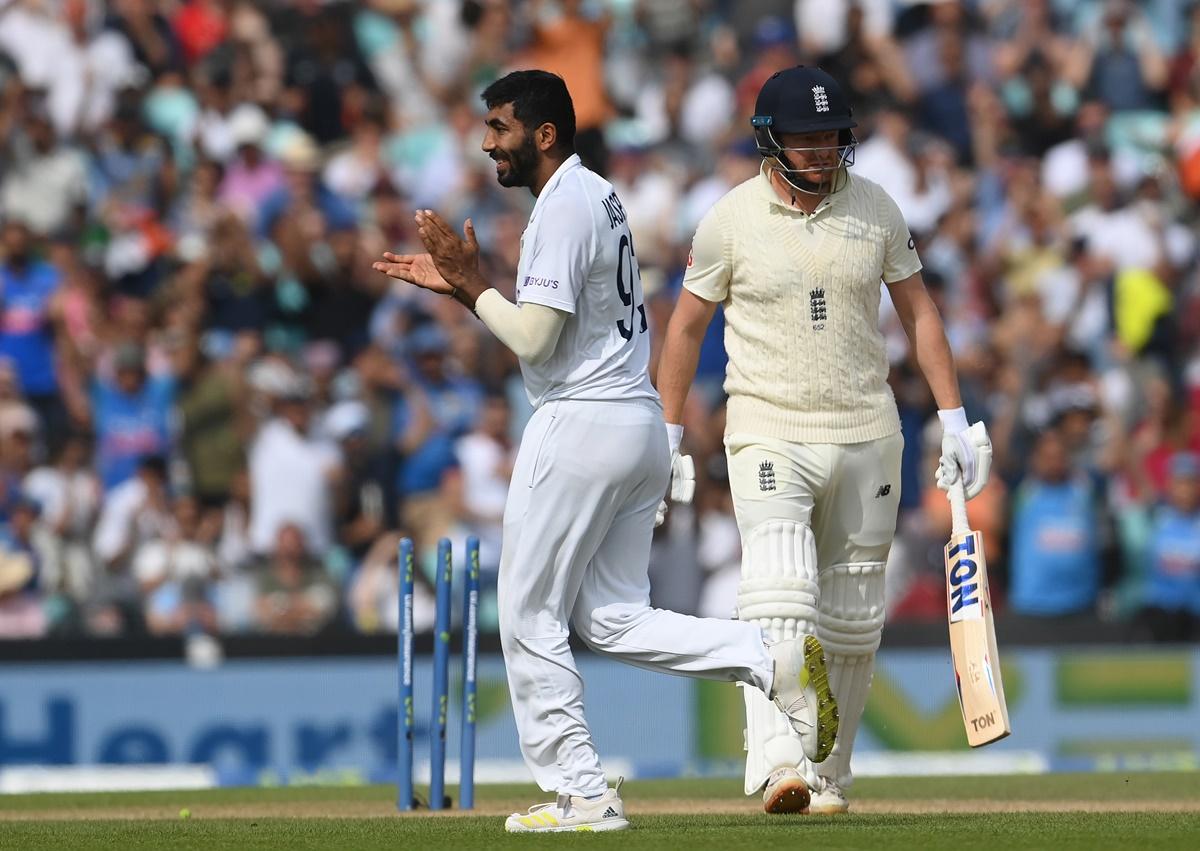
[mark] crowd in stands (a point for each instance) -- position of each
(216, 418)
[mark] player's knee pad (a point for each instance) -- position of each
(851, 616)
(779, 586)
(778, 592)
(849, 626)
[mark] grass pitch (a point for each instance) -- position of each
(1066, 811)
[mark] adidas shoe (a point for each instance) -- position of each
(801, 691)
(572, 813)
(786, 792)
(828, 800)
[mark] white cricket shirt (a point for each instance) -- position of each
(577, 256)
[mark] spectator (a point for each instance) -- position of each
(485, 462)
(436, 409)
(362, 514)
(229, 280)
(234, 550)
(69, 495)
(27, 322)
(374, 595)
(80, 65)
(1118, 61)
(213, 420)
(134, 513)
(46, 181)
(293, 475)
(1172, 589)
(295, 595)
(200, 26)
(327, 78)
(571, 44)
(176, 572)
(132, 415)
(250, 178)
(149, 33)
(1056, 567)
(21, 594)
(18, 437)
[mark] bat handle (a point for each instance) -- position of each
(958, 509)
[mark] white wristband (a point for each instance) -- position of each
(674, 437)
(953, 420)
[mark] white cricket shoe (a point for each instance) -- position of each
(786, 792)
(801, 691)
(572, 813)
(828, 800)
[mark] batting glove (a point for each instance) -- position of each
(966, 452)
(683, 474)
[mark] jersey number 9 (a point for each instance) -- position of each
(627, 276)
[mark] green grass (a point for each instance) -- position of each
(303, 818)
(891, 832)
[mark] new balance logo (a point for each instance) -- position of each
(609, 813)
(883, 491)
(766, 476)
(817, 308)
(820, 99)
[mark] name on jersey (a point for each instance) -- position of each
(616, 213)
(544, 283)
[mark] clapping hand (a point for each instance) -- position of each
(418, 269)
(456, 259)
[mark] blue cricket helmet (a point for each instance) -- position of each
(802, 100)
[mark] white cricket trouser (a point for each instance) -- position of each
(577, 528)
(817, 520)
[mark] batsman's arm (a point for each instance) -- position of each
(705, 285)
(927, 335)
(681, 352)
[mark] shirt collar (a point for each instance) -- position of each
(772, 197)
(571, 162)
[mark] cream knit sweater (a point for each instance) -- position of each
(801, 293)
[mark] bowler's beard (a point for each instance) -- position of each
(522, 165)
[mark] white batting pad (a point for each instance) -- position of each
(778, 592)
(849, 625)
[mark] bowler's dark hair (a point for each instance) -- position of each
(537, 98)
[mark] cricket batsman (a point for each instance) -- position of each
(796, 256)
(592, 467)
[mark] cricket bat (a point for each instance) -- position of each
(972, 631)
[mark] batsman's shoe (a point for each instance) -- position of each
(786, 792)
(572, 814)
(828, 800)
(801, 691)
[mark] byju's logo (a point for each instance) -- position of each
(820, 99)
(766, 476)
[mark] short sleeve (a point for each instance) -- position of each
(708, 267)
(900, 258)
(560, 256)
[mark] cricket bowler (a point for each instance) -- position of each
(592, 467)
(796, 256)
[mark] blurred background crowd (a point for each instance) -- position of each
(216, 418)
